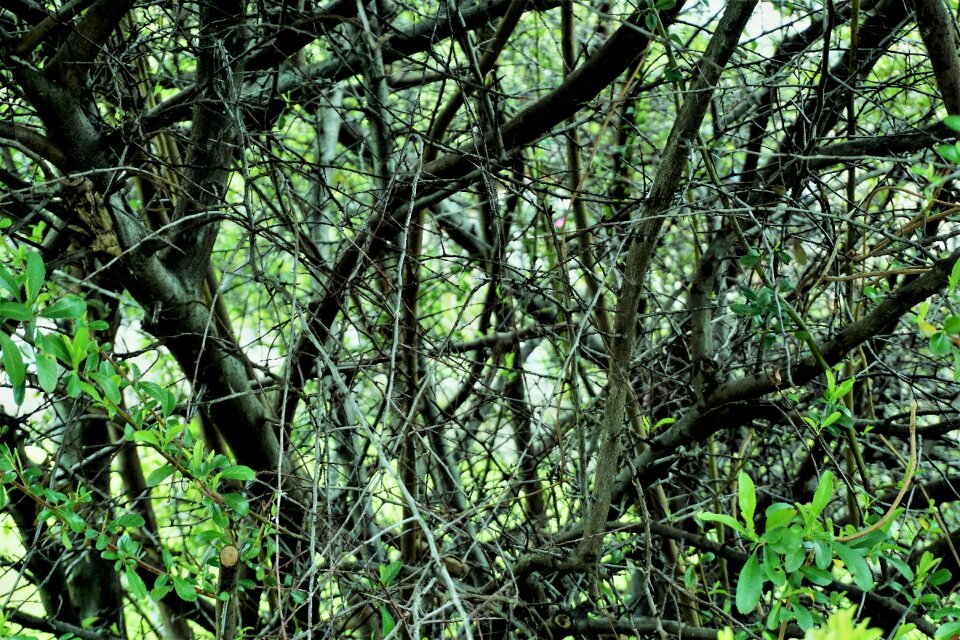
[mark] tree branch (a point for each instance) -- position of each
(644, 240)
(584, 83)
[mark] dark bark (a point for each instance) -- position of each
(939, 37)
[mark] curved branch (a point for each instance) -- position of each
(216, 124)
(85, 43)
(46, 26)
(66, 122)
(882, 319)
(939, 36)
(301, 82)
(55, 627)
(685, 130)
(583, 84)
(35, 142)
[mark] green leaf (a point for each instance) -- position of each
(152, 389)
(927, 562)
(833, 417)
(73, 520)
(832, 380)
(46, 371)
(185, 589)
(939, 344)
(747, 495)
(772, 569)
(36, 272)
(779, 515)
(173, 431)
(168, 402)
(793, 558)
(822, 554)
(138, 589)
(953, 122)
(948, 630)
(783, 540)
(109, 387)
(238, 503)
(196, 458)
(387, 621)
(663, 422)
(949, 153)
(954, 279)
(13, 363)
(389, 572)
(751, 258)
(128, 546)
(209, 535)
(9, 282)
(855, 563)
(817, 576)
(159, 474)
(16, 311)
(91, 391)
(54, 343)
(218, 516)
(901, 566)
(773, 618)
(67, 307)
(239, 472)
(147, 436)
(78, 347)
(823, 494)
(159, 593)
(749, 585)
(951, 326)
(803, 615)
(723, 518)
(844, 388)
(673, 75)
(73, 384)
(939, 577)
(128, 520)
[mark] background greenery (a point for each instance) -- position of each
(497, 319)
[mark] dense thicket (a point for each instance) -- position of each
(494, 319)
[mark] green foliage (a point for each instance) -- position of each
(6, 630)
(831, 412)
(951, 152)
(74, 362)
(512, 243)
(387, 623)
(794, 553)
(749, 585)
(47, 351)
(389, 572)
(840, 626)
